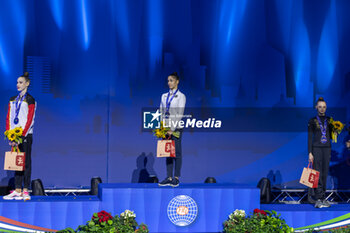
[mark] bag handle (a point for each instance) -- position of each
(12, 149)
(310, 163)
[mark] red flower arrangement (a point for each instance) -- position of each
(102, 216)
(105, 222)
(260, 221)
(261, 212)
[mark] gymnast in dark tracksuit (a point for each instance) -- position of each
(319, 148)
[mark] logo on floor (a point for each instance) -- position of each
(182, 210)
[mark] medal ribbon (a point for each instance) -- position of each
(19, 103)
(322, 126)
(169, 102)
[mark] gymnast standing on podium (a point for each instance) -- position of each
(172, 106)
(21, 113)
(319, 147)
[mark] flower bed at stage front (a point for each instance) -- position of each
(260, 222)
(105, 223)
(263, 221)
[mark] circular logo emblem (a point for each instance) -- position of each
(182, 210)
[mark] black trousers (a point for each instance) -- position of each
(24, 177)
(322, 156)
(178, 160)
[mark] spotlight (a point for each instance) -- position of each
(37, 188)
(210, 180)
(94, 185)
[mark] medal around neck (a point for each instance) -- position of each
(18, 106)
(323, 129)
(323, 139)
(168, 102)
(167, 114)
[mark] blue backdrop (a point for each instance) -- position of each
(96, 64)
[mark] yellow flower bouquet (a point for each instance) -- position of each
(14, 135)
(162, 132)
(337, 127)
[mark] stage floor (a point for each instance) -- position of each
(208, 207)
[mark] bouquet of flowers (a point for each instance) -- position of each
(14, 135)
(162, 131)
(336, 129)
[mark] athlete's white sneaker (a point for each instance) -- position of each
(26, 196)
(13, 195)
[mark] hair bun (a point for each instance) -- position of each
(26, 74)
(320, 99)
(174, 75)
